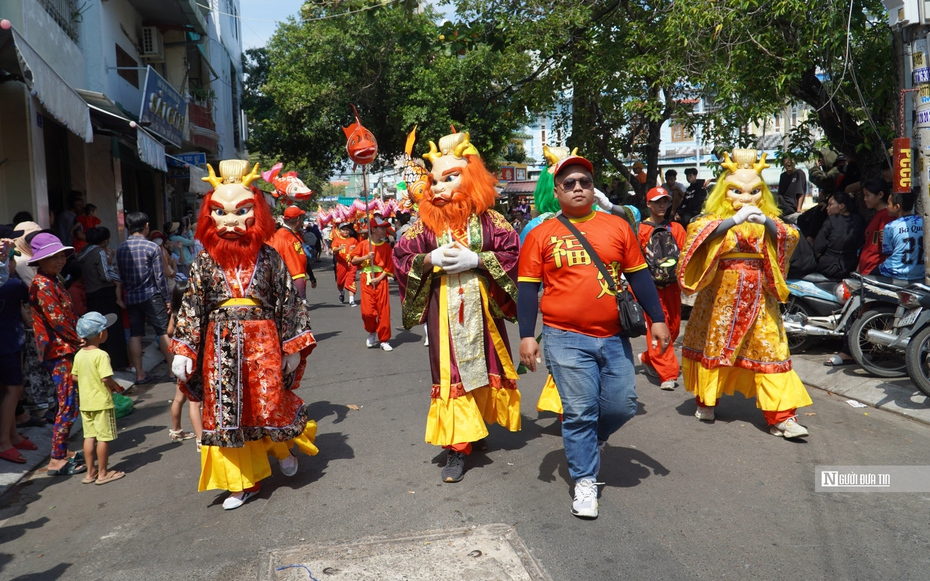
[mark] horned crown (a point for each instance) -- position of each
(744, 159)
(456, 144)
(232, 171)
(556, 154)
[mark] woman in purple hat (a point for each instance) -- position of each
(57, 341)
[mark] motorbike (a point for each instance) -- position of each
(917, 351)
(817, 308)
(880, 336)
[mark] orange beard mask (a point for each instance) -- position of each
(232, 252)
(473, 194)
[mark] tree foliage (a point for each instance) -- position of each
(392, 64)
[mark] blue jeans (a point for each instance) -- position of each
(597, 384)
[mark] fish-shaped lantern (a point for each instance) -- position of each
(287, 186)
(361, 146)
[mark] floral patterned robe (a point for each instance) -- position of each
(473, 376)
(735, 339)
(236, 325)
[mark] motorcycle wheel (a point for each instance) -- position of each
(918, 360)
(797, 343)
(878, 360)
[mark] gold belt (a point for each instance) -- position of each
(741, 256)
(239, 303)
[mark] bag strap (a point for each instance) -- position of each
(611, 284)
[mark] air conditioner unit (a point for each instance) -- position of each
(153, 45)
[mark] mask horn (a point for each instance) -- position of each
(760, 165)
(433, 153)
(211, 177)
(251, 176)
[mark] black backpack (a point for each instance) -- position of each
(662, 254)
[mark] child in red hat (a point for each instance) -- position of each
(375, 257)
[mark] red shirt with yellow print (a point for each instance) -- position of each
(382, 261)
(575, 294)
(291, 249)
(342, 246)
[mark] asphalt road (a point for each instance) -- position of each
(682, 500)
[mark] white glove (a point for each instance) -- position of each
(290, 362)
(756, 218)
(438, 256)
(745, 212)
(459, 259)
(182, 367)
(602, 201)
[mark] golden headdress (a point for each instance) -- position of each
(456, 144)
(232, 171)
(744, 159)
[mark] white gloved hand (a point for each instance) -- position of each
(745, 212)
(436, 257)
(182, 367)
(602, 201)
(290, 362)
(756, 218)
(459, 259)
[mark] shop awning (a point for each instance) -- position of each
(110, 117)
(521, 188)
(20, 61)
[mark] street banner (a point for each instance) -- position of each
(902, 165)
(163, 109)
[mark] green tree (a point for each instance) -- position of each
(390, 63)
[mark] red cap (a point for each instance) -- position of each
(293, 212)
(656, 193)
(378, 222)
(572, 160)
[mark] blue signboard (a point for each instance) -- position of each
(197, 158)
(163, 109)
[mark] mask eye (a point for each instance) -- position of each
(243, 211)
(757, 191)
(219, 212)
(451, 177)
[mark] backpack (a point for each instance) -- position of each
(661, 253)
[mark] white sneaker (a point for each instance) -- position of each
(704, 413)
(650, 370)
(237, 499)
(669, 385)
(385, 346)
(372, 340)
(789, 428)
(288, 465)
(585, 503)
(352, 302)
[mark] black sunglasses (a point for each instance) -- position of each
(569, 184)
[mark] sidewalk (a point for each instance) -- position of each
(11, 474)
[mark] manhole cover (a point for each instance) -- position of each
(484, 553)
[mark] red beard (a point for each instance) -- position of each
(232, 252)
(476, 196)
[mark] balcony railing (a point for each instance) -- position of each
(65, 13)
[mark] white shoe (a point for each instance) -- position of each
(385, 346)
(704, 413)
(425, 336)
(352, 302)
(371, 341)
(237, 499)
(288, 465)
(789, 428)
(669, 385)
(585, 503)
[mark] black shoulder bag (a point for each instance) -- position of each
(632, 317)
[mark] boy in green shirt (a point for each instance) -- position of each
(94, 376)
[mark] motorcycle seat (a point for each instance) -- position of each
(817, 277)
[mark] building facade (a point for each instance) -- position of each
(121, 100)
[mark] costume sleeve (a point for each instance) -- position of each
(500, 255)
(409, 254)
(776, 258)
(698, 263)
(190, 318)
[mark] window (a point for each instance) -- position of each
(63, 13)
(794, 117)
(126, 64)
(236, 115)
(778, 123)
(542, 137)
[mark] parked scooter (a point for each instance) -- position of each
(817, 307)
(879, 337)
(917, 352)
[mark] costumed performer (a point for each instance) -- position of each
(456, 268)
(376, 260)
(735, 259)
(344, 241)
(241, 341)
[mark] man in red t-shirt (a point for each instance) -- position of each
(290, 246)
(376, 259)
(589, 357)
(662, 363)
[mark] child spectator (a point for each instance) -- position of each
(95, 382)
(902, 240)
(377, 263)
(175, 433)
(875, 196)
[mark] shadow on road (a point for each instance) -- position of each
(56, 572)
(620, 467)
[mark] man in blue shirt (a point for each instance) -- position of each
(142, 272)
(903, 240)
